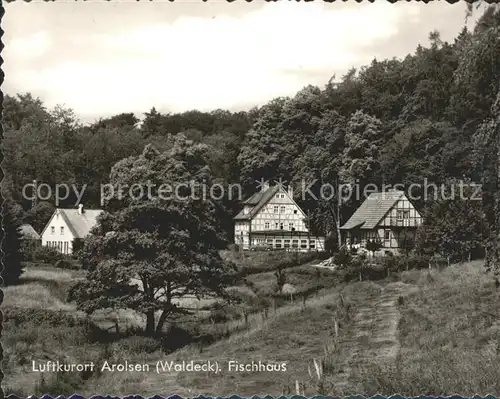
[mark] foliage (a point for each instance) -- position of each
(11, 244)
(453, 227)
(44, 254)
(430, 116)
(39, 215)
(373, 245)
(146, 253)
(343, 258)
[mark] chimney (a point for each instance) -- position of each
(265, 186)
(80, 209)
(290, 191)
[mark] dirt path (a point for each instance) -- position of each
(372, 336)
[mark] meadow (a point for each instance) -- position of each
(419, 331)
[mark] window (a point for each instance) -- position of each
(295, 243)
(275, 209)
(281, 226)
(66, 247)
(399, 215)
(269, 242)
(387, 234)
(62, 230)
(287, 244)
(278, 243)
(266, 225)
(406, 214)
(282, 209)
(290, 226)
(276, 226)
(295, 211)
(52, 230)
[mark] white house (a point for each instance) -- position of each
(272, 219)
(65, 225)
(389, 217)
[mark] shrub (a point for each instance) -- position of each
(138, 345)
(176, 338)
(418, 262)
(67, 264)
(45, 254)
(373, 245)
(343, 258)
(219, 316)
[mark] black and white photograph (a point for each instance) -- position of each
(250, 198)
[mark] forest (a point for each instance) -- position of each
(432, 116)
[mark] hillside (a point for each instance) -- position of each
(433, 331)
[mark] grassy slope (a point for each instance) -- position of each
(450, 336)
(438, 334)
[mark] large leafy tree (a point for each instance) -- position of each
(360, 158)
(260, 155)
(487, 155)
(454, 225)
(319, 163)
(148, 253)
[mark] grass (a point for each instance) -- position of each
(450, 337)
(448, 333)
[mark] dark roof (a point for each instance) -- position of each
(28, 232)
(373, 210)
(258, 200)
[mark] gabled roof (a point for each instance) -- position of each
(28, 232)
(373, 210)
(79, 224)
(258, 200)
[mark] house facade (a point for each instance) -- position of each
(387, 216)
(66, 225)
(271, 219)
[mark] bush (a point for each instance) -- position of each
(67, 264)
(138, 345)
(176, 338)
(343, 258)
(45, 254)
(219, 316)
(417, 262)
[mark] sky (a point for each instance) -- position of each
(105, 58)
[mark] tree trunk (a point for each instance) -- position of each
(161, 322)
(337, 225)
(150, 322)
(336, 217)
(360, 277)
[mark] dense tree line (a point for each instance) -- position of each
(431, 116)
